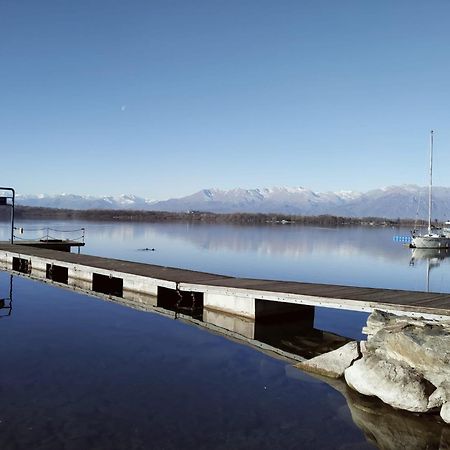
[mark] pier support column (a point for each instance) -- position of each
(283, 311)
(232, 304)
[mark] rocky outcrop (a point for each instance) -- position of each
(405, 363)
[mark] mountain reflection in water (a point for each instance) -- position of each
(348, 255)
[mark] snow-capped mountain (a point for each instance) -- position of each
(405, 201)
(70, 201)
(282, 200)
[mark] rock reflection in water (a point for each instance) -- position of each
(391, 429)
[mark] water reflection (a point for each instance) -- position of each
(294, 336)
(358, 256)
(284, 328)
(123, 366)
(391, 429)
(6, 300)
(431, 257)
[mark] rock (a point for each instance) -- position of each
(334, 363)
(405, 363)
(394, 383)
(436, 399)
(426, 349)
(381, 320)
(363, 347)
(439, 396)
(445, 412)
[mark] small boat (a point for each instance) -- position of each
(435, 237)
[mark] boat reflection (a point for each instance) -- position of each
(6, 300)
(433, 257)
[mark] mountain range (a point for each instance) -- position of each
(406, 201)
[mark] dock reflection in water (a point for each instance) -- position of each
(6, 299)
(293, 333)
(280, 327)
(383, 427)
(287, 329)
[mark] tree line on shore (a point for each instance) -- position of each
(29, 212)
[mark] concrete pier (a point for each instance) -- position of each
(177, 288)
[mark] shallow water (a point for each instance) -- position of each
(80, 372)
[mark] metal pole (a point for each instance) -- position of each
(12, 215)
(430, 201)
(12, 206)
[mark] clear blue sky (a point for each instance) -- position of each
(163, 98)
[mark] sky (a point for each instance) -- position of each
(162, 98)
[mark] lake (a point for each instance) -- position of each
(359, 256)
(80, 372)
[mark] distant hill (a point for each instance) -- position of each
(71, 201)
(390, 202)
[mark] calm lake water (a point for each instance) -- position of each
(360, 256)
(80, 372)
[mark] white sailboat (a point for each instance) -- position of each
(435, 237)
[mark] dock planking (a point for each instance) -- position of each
(64, 245)
(350, 297)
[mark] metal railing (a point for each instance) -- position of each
(50, 234)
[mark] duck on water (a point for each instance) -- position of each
(435, 237)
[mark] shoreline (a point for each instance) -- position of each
(30, 213)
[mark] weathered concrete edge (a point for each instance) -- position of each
(325, 302)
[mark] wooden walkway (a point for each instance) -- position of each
(64, 245)
(412, 301)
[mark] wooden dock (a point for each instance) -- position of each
(238, 296)
(63, 245)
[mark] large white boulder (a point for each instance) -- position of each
(334, 363)
(426, 349)
(394, 383)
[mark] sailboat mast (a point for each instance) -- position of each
(430, 188)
